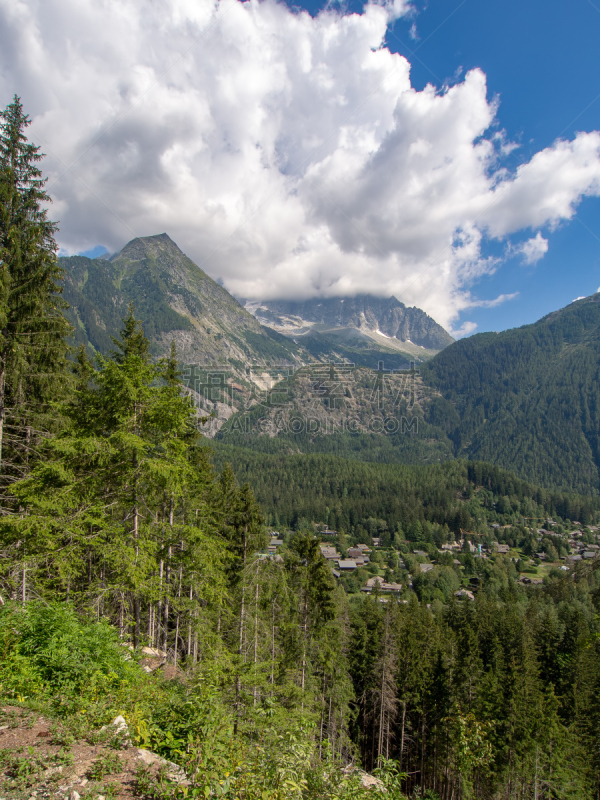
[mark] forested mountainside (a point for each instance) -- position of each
(281, 675)
(351, 495)
(527, 399)
(174, 299)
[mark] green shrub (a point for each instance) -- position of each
(49, 648)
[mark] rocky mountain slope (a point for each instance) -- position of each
(361, 322)
(175, 300)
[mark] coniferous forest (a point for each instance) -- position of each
(122, 529)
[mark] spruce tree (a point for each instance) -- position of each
(102, 506)
(32, 326)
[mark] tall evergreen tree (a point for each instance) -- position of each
(106, 508)
(32, 326)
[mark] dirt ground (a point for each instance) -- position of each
(41, 758)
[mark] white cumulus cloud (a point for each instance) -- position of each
(496, 301)
(286, 154)
(533, 249)
(465, 329)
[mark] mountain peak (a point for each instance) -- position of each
(144, 246)
(174, 299)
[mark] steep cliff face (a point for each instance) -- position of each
(383, 316)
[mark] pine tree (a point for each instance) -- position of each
(32, 326)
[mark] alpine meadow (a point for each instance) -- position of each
(212, 585)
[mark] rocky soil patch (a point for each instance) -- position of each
(41, 758)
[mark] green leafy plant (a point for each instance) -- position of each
(107, 764)
(24, 770)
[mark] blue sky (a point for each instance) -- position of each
(542, 59)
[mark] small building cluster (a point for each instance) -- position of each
(378, 584)
(357, 556)
(581, 545)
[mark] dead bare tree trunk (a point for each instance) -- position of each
(273, 643)
(136, 538)
(166, 602)
(167, 584)
(304, 641)
(159, 604)
(387, 690)
(322, 716)
(121, 616)
(2, 403)
(423, 753)
(402, 735)
(178, 612)
(255, 688)
(238, 682)
(189, 636)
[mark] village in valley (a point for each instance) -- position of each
(389, 568)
